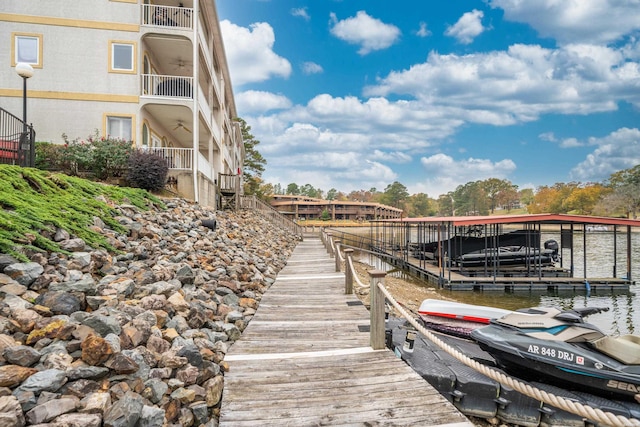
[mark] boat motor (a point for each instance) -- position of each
(553, 245)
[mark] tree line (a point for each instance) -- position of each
(617, 196)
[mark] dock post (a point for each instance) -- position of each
(348, 274)
(329, 244)
(376, 310)
(337, 256)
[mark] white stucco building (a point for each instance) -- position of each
(153, 72)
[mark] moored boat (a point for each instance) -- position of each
(479, 396)
(507, 256)
(547, 344)
(460, 311)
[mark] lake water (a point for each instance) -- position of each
(623, 316)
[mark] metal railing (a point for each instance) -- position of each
(166, 86)
(17, 141)
(167, 16)
(176, 158)
(275, 217)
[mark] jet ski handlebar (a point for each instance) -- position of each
(586, 311)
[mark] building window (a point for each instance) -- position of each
(27, 48)
(119, 127)
(122, 57)
(145, 136)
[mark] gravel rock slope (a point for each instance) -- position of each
(91, 338)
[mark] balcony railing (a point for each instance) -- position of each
(167, 16)
(176, 158)
(205, 167)
(167, 86)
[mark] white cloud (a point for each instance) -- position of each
(548, 136)
(311, 68)
(367, 32)
(563, 143)
(423, 31)
(324, 160)
(517, 85)
(444, 173)
(570, 21)
(617, 151)
(351, 142)
(254, 101)
(401, 124)
(391, 157)
(301, 12)
(570, 143)
(468, 27)
(250, 53)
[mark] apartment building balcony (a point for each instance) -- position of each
(167, 17)
(176, 158)
(166, 86)
(182, 159)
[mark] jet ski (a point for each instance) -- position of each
(560, 348)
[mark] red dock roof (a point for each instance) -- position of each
(521, 219)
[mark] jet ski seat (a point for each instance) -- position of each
(625, 348)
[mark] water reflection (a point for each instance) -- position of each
(623, 316)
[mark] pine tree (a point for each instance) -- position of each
(254, 163)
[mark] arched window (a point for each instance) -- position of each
(145, 136)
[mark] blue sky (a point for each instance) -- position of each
(354, 94)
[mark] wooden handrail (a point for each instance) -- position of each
(348, 273)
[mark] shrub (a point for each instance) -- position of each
(76, 156)
(147, 171)
(103, 157)
(110, 156)
(48, 156)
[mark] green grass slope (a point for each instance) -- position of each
(34, 203)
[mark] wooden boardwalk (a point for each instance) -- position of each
(305, 360)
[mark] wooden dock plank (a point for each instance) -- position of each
(305, 359)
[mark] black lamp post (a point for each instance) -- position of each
(25, 71)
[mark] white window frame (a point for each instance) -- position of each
(116, 126)
(156, 141)
(113, 46)
(36, 61)
(146, 131)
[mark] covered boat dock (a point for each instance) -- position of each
(506, 252)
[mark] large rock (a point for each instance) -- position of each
(11, 412)
(125, 412)
(95, 350)
(22, 355)
(12, 375)
(78, 420)
(59, 302)
(47, 380)
(49, 410)
(25, 272)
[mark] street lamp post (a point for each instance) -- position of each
(25, 71)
